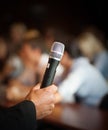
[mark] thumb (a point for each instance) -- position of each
(37, 87)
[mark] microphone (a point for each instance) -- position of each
(56, 53)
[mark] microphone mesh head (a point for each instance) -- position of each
(57, 50)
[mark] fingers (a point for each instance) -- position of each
(52, 89)
(50, 93)
(43, 99)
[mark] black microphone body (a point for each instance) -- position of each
(55, 56)
(49, 73)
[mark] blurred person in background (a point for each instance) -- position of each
(16, 35)
(24, 69)
(26, 58)
(92, 45)
(52, 34)
(80, 82)
(35, 34)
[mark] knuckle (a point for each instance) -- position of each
(52, 107)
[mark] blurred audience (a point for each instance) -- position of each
(24, 69)
(92, 44)
(80, 81)
(24, 59)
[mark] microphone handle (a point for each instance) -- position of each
(49, 72)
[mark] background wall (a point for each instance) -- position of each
(72, 15)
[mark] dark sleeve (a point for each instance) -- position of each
(20, 117)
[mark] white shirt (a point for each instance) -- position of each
(84, 80)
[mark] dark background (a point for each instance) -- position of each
(71, 15)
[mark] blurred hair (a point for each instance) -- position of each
(32, 33)
(33, 43)
(72, 49)
(98, 34)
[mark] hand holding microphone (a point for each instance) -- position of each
(55, 56)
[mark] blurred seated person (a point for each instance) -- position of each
(52, 34)
(34, 33)
(22, 69)
(23, 66)
(80, 82)
(16, 35)
(92, 45)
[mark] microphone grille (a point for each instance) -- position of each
(57, 50)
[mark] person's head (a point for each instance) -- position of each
(49, 36)
(55, 34)
(91, 42)
(31, 49)
(17, 31)
(71, 52)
